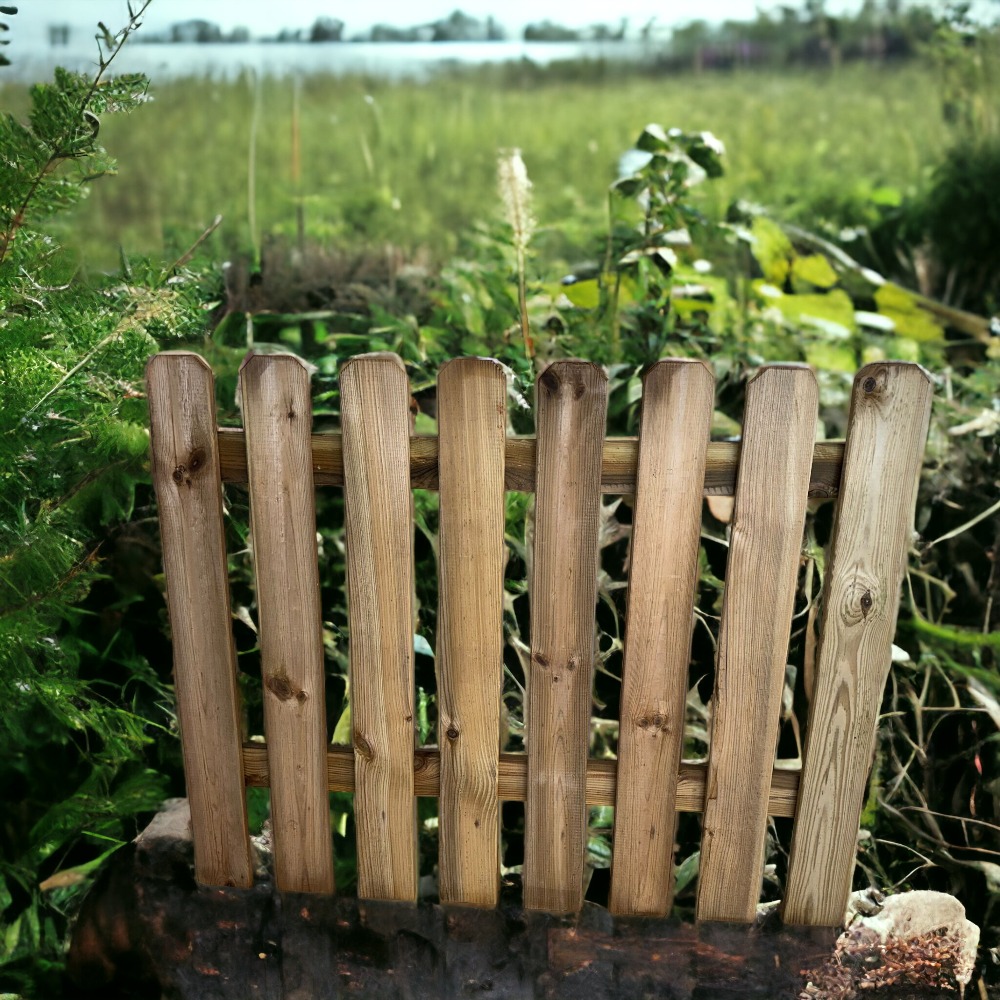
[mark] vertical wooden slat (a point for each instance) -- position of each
(761, 575)
(185, 468)
(375, 406)
(677, 401)
(886, 433)
(277, 416)
(571, 405)
(471, 414)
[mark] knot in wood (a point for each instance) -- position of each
(860, 601)
(540, 659)
(283, 689)
(452, 733)
(549, 380)
(869, 384)
(361, 746)
(656, 722)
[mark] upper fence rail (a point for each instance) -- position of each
(771, 472)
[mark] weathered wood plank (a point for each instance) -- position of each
(375, 407)
(761, 576)
(886, 433)
(677, 401)
(277, 414)
(571, 407)
(472, 427)
(512, 778)
(185, 469)
(620, 456)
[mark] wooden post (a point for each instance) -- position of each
(472, 427)
(571, 400)
(277, 416)
(887, 429)
(185, 468)
(677, 401)
(761, 575)
(375, 409)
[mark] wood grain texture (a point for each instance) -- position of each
(677, 402)
(512, 778)
(277, 415)
(571, 408)
(620, 457)
(472, 427)
(375, 419)
(886, 433)
(761, 575)
(185, 469)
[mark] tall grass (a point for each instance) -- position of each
(415, 164)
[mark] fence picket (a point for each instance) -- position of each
(571, 400)
(886, 432)
(677, 402)
(472, 427)
(277, 415)
(375, 418)
(185, 468)
(761, 575)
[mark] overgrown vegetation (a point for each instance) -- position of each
(676, 257)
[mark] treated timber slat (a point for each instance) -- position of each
(512, 778)
(677, 401)
(571, 408)
(375, 418)
(886, 432)
(761, 575)
(620, 456)
(185, 469)
(472, 426)
(277, 414)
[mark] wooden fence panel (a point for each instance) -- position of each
(886, 432)
(677, 401)
(761, 575)
(472, 427)
(375, 418)
(277, 415)
(185, 467)
(571, 408)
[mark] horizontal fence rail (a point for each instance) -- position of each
(619, 461)
(512, 778)
(771, 474)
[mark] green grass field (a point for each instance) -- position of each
(414, 165)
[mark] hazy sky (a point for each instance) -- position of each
(267, 16)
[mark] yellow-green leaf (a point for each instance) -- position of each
(911, 321)
(585, 294)
(773, 250)
(815, 269)
(830, 357)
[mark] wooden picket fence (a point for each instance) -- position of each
(672, 465)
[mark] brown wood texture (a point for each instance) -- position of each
(571, 408)
(277, 415)
(620, 457)
(886, 433)
(472, 427)
(677, 402)
(761, 575)
(375, 419)
(512, 778)
(185, 469)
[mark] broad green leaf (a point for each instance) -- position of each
(342, 731)
(833, 307)
(421, 645)
(585, 294)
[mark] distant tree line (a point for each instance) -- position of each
(807, 34)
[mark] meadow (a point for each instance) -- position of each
(415, 164)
